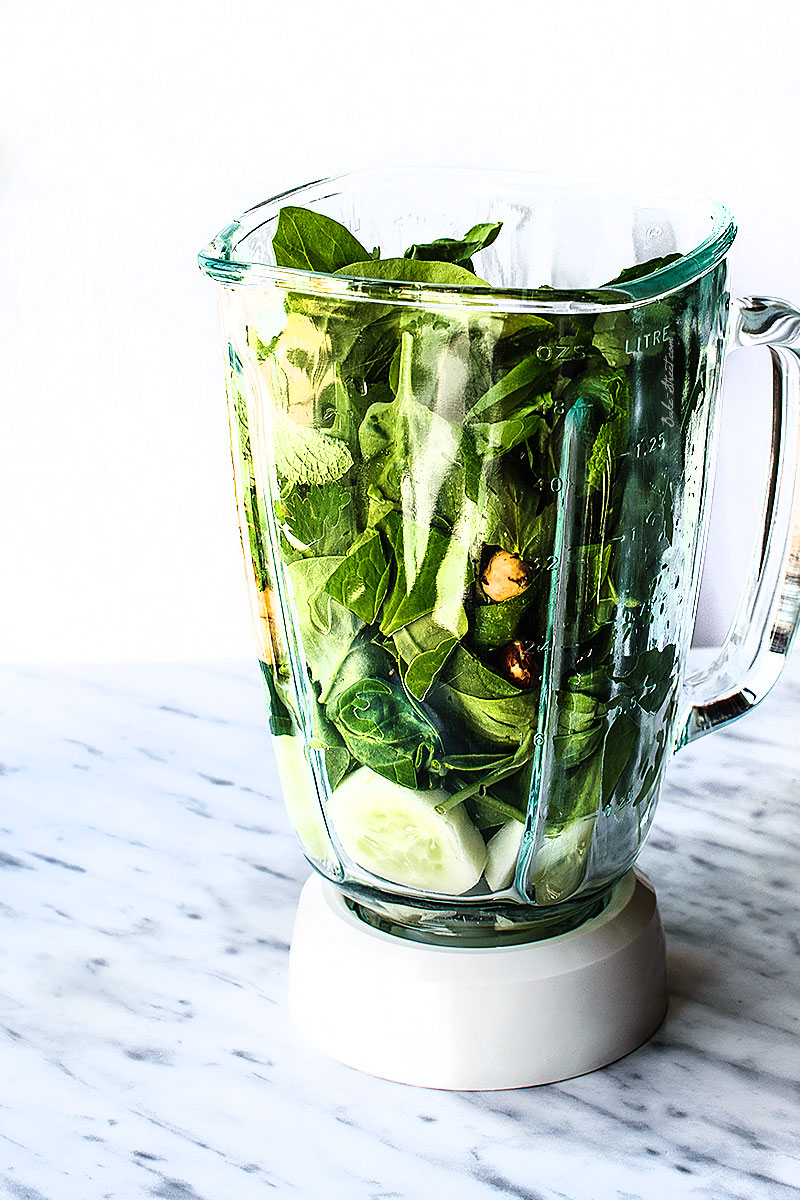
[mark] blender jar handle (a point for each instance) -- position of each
(754, 651)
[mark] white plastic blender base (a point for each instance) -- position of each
(478, 1019)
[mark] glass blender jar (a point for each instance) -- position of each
(473, 473)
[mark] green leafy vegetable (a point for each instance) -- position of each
(383, 730)
(313, 242)
(362, 577)
(645, 268)
(407, 270)
(457, 250)
(490, 706)
(411, 443)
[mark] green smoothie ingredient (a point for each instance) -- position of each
(461, 509)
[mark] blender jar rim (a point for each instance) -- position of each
(218, 259)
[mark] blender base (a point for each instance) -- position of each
(478, 1019)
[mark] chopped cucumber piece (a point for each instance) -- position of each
(300, 795)
(560, 863)
(502, 854)
(396, 833)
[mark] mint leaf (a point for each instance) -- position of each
(304, 454)
(611, 333)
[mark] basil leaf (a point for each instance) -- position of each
(310, 241)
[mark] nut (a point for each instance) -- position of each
(505, 576)
(518, 663)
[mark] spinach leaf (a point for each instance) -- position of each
(385, 731)
(456, 250)
(409, 270)
(496, 624)
(498, 437)
(310, 241)
(645, 268)
(520, 386)
(488, 705)
(580, 727)
(514, 522)
(280, 718)
(494, 771)
(431, 575)
(423, 646)
(651, 678)
(327, 629)
(620, 744)
(362, 577)
(326, 737)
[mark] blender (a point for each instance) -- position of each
(473, 419)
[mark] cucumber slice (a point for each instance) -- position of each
(502, 854)
(396, 833)
(300, 796)
(560, 864)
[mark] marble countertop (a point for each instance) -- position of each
(147, 892)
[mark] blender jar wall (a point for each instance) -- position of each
(613, 532)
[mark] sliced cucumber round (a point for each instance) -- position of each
(396, 833)
(300, 795)
(502, 854)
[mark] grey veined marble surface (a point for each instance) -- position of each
(149, 880)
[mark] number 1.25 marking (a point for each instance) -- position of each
(649, 445)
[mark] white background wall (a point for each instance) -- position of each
(132, 132)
